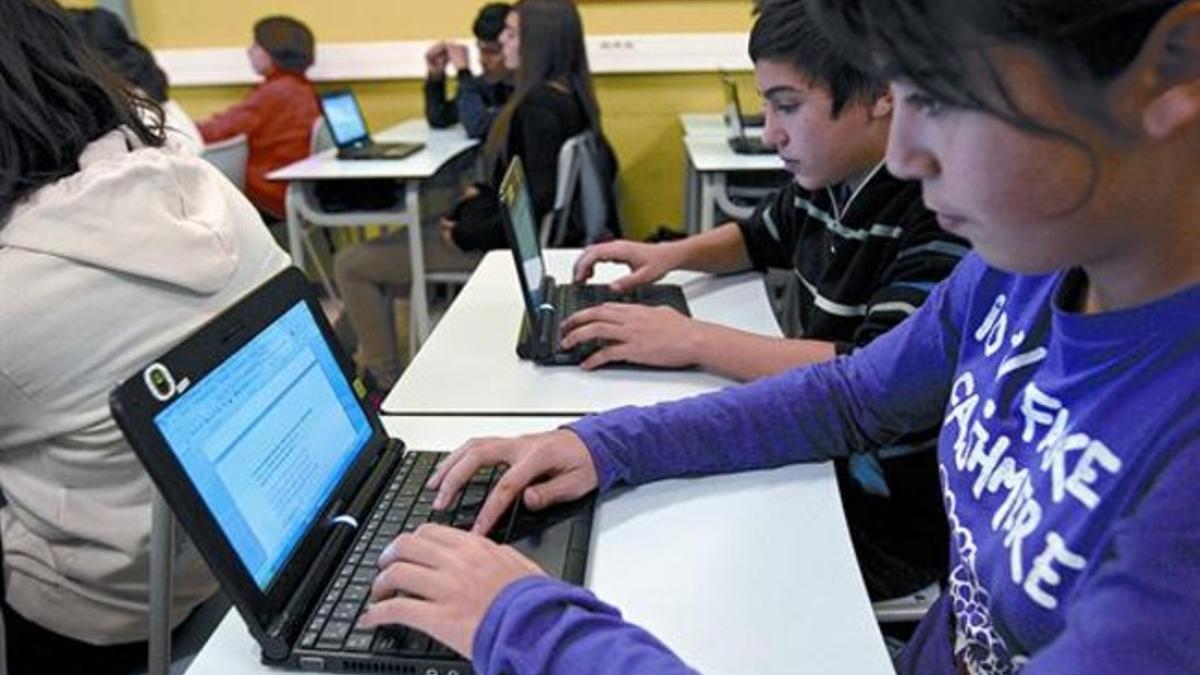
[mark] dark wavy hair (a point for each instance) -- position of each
(786, 32)
(106, 33)
(56, 97)
(941, 46)
(552, 50)
(490, 21)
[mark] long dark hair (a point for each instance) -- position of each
(552, 50)
(943, 48)
(56, 97)
(106, 33)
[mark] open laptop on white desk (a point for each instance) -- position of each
(349, 130)
(790, 598)
(740, 141)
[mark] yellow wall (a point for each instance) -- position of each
(640, 111)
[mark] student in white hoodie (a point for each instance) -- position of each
(112, 249)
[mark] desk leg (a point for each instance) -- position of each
(419, 312)
(690, 194)
(708, 200)
(292, 215)
(162, 545)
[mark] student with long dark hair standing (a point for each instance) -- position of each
(1061, 358)
(113, 247)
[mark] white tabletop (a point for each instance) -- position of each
(710, 153)
(469, 365)
(441, 145)
(745, 573)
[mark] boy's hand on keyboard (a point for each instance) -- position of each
(543, 469)
(442, 581)
(651, 336)
(649, 262)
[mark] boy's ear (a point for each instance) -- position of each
(881, 106)
(1170, 66)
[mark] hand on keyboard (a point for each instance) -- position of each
(648, 262)
(543, 469)
(651, 336)
(441, 581)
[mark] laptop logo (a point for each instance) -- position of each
(161, 382)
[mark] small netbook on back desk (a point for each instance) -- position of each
(548, 303)
(349, 130)
(254, 431)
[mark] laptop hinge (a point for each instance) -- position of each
(342, 528)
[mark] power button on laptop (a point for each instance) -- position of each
(312, 663)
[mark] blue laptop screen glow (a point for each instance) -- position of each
(520, 210)
(265, 438)
(344, 118)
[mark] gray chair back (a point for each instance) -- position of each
(581, 192)
(229, 156)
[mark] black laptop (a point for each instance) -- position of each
(739, 141)
(349, 130)
(547, 303)
(254, 431)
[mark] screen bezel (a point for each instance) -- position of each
(135, 408)
(733, 104)
(512, 184)
(350, 142)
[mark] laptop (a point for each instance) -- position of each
(349, 129)
(254, 431)
(547, 303)
(739, 141)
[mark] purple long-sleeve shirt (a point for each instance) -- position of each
(1069, 456)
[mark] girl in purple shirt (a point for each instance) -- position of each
(1062, 360)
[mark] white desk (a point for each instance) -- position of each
(708, 160)
(707, 565)
(470, 366)
(441, 146)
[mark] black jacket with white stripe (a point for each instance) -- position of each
(861, 268)
(863, 265)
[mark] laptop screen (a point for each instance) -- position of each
(344, 118)
(266, 437)
(515, 195)
(733, 109)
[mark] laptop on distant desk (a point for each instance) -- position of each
(349, 129)
(739, 141)
(547, 303)
(290, 489)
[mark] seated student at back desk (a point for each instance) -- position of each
(478, 98)
(114, 245)
(1060, 356)
(864, 252)
(554, 100)
(277, 116)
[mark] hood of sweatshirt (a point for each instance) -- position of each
(159, 214)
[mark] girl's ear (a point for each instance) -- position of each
(1170, 64)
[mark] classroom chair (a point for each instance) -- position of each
(580, 193)
(230, 157)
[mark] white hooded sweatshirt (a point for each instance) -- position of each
(100, 273)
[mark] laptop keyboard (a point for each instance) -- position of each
(574, 298)
(404, 505)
